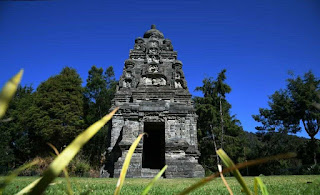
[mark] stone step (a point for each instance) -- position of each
(149, 173)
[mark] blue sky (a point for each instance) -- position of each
(258, 42)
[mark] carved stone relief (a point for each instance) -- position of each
(153, 68)
(139, 44)
(153, 58)
(178, 84)
(178, 75)
(128, 74)
(126, 83)
(167, 45)
(153, 81)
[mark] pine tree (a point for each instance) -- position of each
(98, 93)
(215, 122)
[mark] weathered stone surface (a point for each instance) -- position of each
(153, 97)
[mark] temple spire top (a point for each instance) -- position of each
(153, 32)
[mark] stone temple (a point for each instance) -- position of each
(153, 98)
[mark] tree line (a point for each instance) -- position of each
(293, 109)
(56, 112)
(60, 108)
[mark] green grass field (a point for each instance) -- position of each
(275, 184)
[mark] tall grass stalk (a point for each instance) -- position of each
(229, 163)
(224, 180)
(153, 181)
(65, 171)
(126, 164)
(14, 174)
(263, 188)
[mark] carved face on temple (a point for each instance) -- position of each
(128, 74)
(129, 63)
(153, 58)
(153, 51)
(177, 64)
(153, 47)
(139, 40)
(154, 44)
(139, 44)
(167, 45)
(153, 68)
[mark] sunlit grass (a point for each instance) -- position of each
(275, 184)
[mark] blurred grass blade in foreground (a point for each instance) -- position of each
(229, 163)
(8, 91)
(149, 186)
(126, 163)
(7, 180)
(224, 180)
(65, 171)
(68, 153)
(28, 188)
(263, 188)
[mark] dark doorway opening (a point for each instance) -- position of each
(153, 156)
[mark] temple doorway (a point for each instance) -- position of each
(153, 155)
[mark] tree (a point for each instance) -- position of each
(290, 106)
(215, 121)
(98, 93)
(58, 110)
(273, 143)
(16, 145)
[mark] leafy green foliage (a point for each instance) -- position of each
(290, 106)
(58, 110)
(59, 106)
(15, 133)
(279, 143)
(79, 167)
(6, 94)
